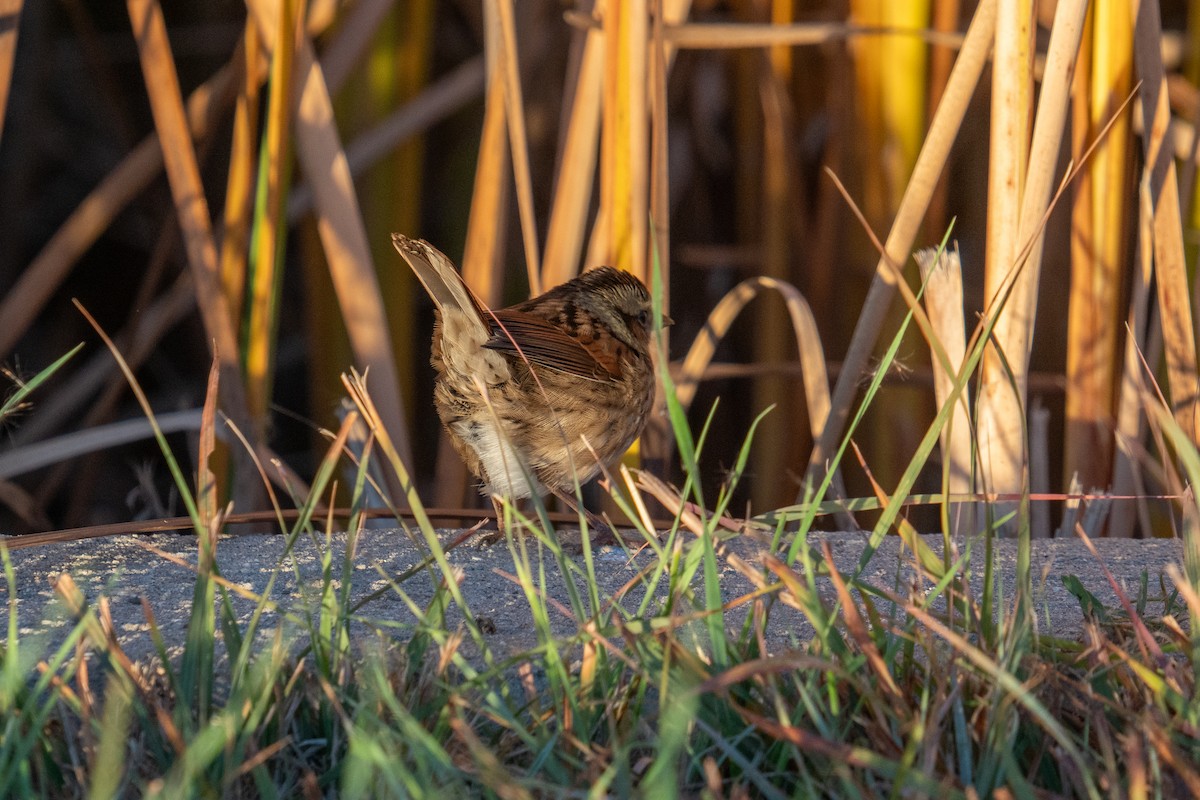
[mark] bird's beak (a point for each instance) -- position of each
(667, 321)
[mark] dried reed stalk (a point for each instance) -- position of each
(660, 176)
(514, 107)
(96, 212)
(932, 159)
(166, 103)
(1130, 421)
(741, 35)
(577, 167)
(810, 354)
(1001, 405)
(239, 185)
(340, 226)
(483, 258)
(1000, 414)
(1099, 262)
(625, 143)
(183, 174)
(270, 223)
(657, 442)
(941, 59)
(775, 452)
(891, 82)
(944, 304)
(1169, 262)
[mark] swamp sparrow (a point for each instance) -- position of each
(551, 389)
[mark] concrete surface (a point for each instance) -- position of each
(121, 569)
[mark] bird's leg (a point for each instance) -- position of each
(605, 533)
(496, 536)
(498, 507)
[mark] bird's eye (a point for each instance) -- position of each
(643, 318)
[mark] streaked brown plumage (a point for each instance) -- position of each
(567, 375)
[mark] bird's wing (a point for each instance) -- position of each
(546, 344)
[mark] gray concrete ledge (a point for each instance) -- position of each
(125, 572)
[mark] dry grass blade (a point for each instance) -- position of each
(942, 132)
(356, 387)
(784, 664)
(206, 481)
(1187, 589)
(68, 591)
(1145, 640)
(857, 627)
(189, 566)
(340, 225)
(671, 501)
(795, 593)
(1179, 762)
(927, 559)
(808, 345)
(1004, 680)
(1170, 265)
(491, 770)
(898, 281)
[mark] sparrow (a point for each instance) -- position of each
(543, 395)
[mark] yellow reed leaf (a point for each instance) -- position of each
(269, 224)
(1099, 262)
(624, 160)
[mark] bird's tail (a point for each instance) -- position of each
(439, 277)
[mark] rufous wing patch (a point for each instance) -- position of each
(546, 344)
(608, 352)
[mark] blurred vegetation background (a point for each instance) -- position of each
(223, 174)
